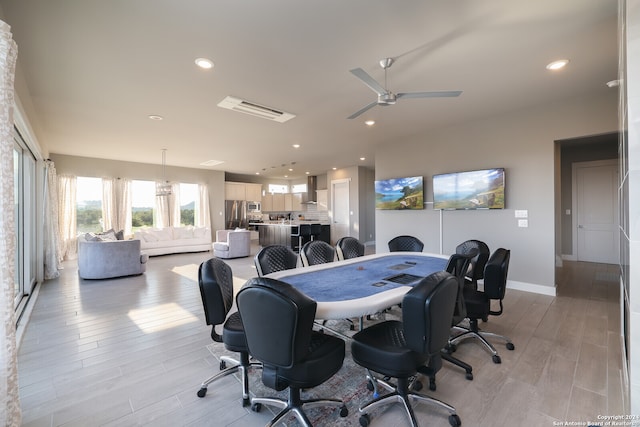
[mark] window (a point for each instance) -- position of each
(299, 188)
(88, 205)
(188, 197)
(143, 195)
(278, 188)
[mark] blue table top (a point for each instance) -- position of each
(365, 278)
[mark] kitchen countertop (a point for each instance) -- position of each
(287, 223)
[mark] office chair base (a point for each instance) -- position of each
(295, 405)
(401, 394)
(482, 337)
(237, 367)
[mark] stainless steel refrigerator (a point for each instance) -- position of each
(235, 214)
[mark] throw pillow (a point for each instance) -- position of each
(200, 232)
(120, 235)
(184, 232)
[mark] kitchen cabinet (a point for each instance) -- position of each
(288, 202)
(267, 203)
(322, 200)
(234, 191)
(253, 192)
(296, 202)
(278, 202)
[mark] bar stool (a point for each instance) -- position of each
(316, 230)
(304, 234)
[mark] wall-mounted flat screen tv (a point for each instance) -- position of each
(400, 193)
(481, 189)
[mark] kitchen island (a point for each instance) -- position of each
(286, 233)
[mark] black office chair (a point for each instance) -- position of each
(476, 267)
(216, 289)
(401, 349)
(317, 252)
(278, 322)
(349, 247)
(274, 258)
(303, 234)
(405, 244)
(479, 302)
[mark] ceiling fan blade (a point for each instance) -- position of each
(362, 110)
(440, 94)
(368, 80)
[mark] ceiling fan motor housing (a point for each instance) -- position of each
(388, 98)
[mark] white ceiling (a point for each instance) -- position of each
(97, 69)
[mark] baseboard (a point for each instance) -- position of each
(569, 257)
(531, 287)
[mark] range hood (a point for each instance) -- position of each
(311, 197)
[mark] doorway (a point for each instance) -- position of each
(340, 218)
(595, 206)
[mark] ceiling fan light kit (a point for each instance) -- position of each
(385, 96)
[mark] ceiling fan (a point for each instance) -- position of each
(385, 96)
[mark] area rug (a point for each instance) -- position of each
(348, 384)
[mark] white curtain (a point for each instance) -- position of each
(201, 214)
(52, 255)
(67, 216)
(161, 212)
(10, 414)
(174, 204)
(116, 204)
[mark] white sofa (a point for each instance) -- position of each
(173, 240)
(232, 244)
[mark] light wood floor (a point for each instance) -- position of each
(132, 351)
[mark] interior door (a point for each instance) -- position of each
(340, 215)
(597, 211)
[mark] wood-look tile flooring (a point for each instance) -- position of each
(132, 351)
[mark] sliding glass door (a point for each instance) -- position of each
(24, 175)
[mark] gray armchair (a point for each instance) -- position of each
(108, 259)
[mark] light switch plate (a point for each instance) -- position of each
(523, 223)
(522, 213)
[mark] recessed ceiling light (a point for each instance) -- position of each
(334, 169)
(290, 169)
(204, 63)
(257, 173)
(613, 83)
(556, 65)
(370, 122)
(307, 172)
(296, 145)
(362, 158)
(156, 117)
(286, 176)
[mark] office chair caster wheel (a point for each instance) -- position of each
(450, 348)
(469, 376)
(432, 384)
(223, 365)
(256, 407)
(454, 420)
(496, 359)
(364, 420)
(246, 402)
(202, 392)
(370, 386)
(344, 411)
(417, 385)
(510, 346)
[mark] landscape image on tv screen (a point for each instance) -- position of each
(400, 193)
(481, 189)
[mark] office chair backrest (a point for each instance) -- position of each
(277, 320)
(458, 266)
(426, 312)
(405, 244)
(275, 258)
(495, 275)
(316, 252)
(215, 279)
(478, 262)
(349, 247)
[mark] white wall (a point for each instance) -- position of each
(523, 143)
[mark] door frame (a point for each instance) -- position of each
(333, 204)
(574, 199)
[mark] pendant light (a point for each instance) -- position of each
(164, 189)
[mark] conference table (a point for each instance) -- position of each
(361, 286)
